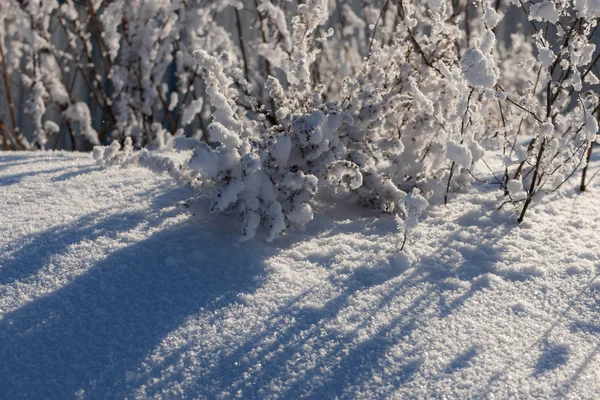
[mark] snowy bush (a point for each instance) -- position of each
(275, 102)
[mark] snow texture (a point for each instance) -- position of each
(543, 11)
(116, 284)
(491, 18)
(588, 8)
(477, 63)
(459, 154)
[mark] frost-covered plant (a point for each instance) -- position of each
(100, 70)
(559, 115)
(375, 137)
(412, 206)
(11, 52)
(418, 99)
(277, 102)
(30, 59)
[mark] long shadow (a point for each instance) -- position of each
(581, 327)
(552, 357)
(307, 322)
(336, 364)
(77, 172)
(353, 364)
(468, 259)
(12, 157)
(7, 180)
(84, 338)
(358, 363)
(27, 160)
(26, 157)
(348, 364)
(22, 261)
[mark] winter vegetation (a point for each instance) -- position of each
(272, 103)
(284, 199)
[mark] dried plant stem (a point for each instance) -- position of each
(588, 157)
(9, 99)
(531, 191)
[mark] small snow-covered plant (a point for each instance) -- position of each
(412, 206)
(115, 154)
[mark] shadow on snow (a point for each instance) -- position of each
(91, 334)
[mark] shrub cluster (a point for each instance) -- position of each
(272, 102)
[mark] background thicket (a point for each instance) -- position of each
(271, 103)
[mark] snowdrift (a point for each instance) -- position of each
(117, 283)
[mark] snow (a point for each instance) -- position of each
(587, 8)
(205, 162)
(491, 17)
(591, 79)
(543, 11)
(343, 169)
(416, 201)
(218, 132)
(115, 282)
(591, 126)
(546, 56)
(459, 154)
(422, 101)
(111, 19)
(69, 12)
(413, 206)
(191, 110)
(516, 190)
(281, 149)
(478, 69)
(173, 101)
(79, 113)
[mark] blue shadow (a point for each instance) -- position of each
(86, 336)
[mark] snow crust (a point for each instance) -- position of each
(115, 283)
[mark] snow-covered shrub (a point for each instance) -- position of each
(550, 109)
(274, 102)
(403, 119)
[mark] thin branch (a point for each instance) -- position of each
(9, 99)
(511, 101)
(383, 10)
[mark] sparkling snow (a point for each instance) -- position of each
(115, 283)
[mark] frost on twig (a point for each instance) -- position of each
(412, 206)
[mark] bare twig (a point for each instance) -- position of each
(383, 10)
(9, 99)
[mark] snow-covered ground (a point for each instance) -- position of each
(116, 283)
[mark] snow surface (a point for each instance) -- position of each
(116, 283)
